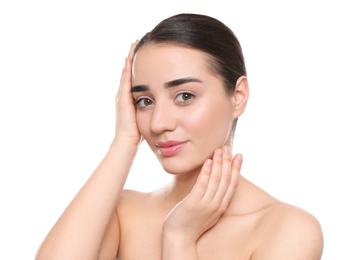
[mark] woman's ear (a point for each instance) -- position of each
(240, 96)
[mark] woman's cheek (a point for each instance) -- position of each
(141, 124)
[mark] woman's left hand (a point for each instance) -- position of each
(208, 200)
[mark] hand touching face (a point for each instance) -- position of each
(208, 200)
(126, 128)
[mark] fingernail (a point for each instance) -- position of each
(219, 152)
(227, 149)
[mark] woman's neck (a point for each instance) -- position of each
(180, 186)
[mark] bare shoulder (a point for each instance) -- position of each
(288, 232)
(131, 200)
(131, 196)
(124, 211)
(109, 246)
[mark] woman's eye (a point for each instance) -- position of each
(143, 102)
(184, 97)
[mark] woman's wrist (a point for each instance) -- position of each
(122, 150)
(125, 143)
(175, 247)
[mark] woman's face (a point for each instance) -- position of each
(183, 111)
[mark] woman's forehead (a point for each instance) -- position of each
(169, 59)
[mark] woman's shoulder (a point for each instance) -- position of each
(281, 230)
(270, 210)
(132, 198)
(286, 231)
(137, 200)
(284, 219)
(129, 194)
(289, 218)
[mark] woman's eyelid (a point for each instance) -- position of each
(180, 92)
(137, 100)
(183, 92)
(139, 97)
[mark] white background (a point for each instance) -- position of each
(60, 63)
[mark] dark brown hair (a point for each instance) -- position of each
(205, 34)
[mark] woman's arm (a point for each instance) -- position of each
(79, 232)
(202, 208)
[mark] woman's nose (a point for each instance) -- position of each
(163, 119)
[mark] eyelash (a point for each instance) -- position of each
(184, 102)
(140, 99)
(190, 94)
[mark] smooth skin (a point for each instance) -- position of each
(208, 211)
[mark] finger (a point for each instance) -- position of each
(128, 65)
(201, 185)
(226, 175)
(215, 175)
(131, 51)
(236, 167)
(126, 77)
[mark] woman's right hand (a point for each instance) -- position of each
(126, 126)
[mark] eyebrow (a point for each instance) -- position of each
(169, 84)
(139, 88)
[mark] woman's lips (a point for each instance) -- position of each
(170, 148)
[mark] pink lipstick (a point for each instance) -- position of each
(170, 148)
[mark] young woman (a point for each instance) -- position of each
(182, 89)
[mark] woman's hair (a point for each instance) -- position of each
(205, 34)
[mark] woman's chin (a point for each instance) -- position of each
(178, 168)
